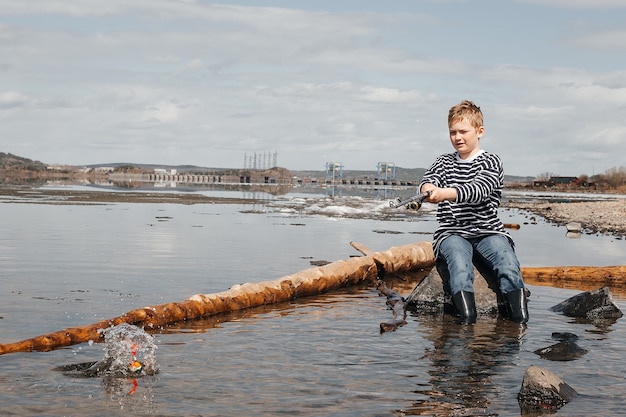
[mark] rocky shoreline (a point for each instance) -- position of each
(604, 217)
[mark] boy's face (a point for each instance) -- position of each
(465, 137)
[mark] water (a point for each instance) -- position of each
(71, 265)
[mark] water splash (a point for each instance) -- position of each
(128, 352)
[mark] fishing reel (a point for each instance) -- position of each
(413, 203)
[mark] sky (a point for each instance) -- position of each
(304, 83)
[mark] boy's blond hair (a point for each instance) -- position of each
(466, 110)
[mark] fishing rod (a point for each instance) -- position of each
(412, 203)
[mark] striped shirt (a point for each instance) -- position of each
(478, 182)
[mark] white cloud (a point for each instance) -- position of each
(616, 80)
(10, 99)
(613, 41)
(162, 112)
(388, 95)
(611, 137)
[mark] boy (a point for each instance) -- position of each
(467, 186)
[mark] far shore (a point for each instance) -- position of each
(603, 216)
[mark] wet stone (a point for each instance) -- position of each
(429, 297)
(565, 350)
(592, 305)
(562, 351)
(543, 391)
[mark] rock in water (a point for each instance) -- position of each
(575, 227)
(566, 350)
(593, 305)
(428, 296)
(562, 351)
(542, 390)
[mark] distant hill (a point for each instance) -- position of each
(178, 168)
(516, 179)
(10, 161)
(147, 166)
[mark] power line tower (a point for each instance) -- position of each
(334, 170)
(386, 171)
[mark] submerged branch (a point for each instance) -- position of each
(397, 305)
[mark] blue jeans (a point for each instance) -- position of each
(494, 251)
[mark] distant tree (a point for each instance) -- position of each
(612, 178)
(544, 176)
(127, 169)
(615, 177)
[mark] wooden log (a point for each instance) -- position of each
(362, 248)
(313, 281)
(392, 261)
(612, 276)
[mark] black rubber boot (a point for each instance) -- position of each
(466, 306)
(518, 305)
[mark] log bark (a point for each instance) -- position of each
(392, 261)
(313, 281)
(612, 276)
(362, 248)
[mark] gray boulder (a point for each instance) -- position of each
(592, 305)
(429, 297)
(542, 391)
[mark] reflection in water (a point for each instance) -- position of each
(131, 395)
(464, 358)
(600, 326)
(204, 324)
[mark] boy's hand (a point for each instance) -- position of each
(437, 195)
